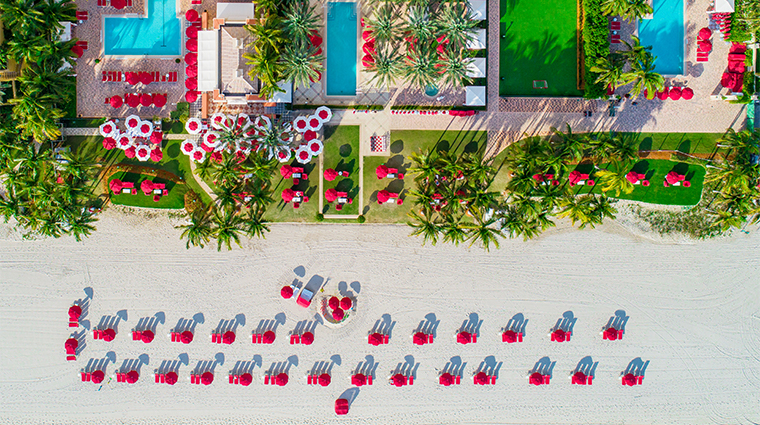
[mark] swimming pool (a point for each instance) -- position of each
(156, 35)
(340, 67)
(665, 33)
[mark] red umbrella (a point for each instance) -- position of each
(629, 379)
(191, 15)
(115, 185)
(560, 335)
(331, 195)
(132, 78)
(383, 196)
(74, 312)
(288, 195)
(705, 33)
(381, 171)
(77, 51)
(358, 380)
(286, 292)
(156, 137)
(330, 175)
(375, 339)
(346, 303)
(228, 337)
(338, 314)
(146, 99)
(71, 344)
(192, 44)
(687, 93)
(509, 336)
(98, 376)
(115, 101)
(728, 79)
(481, 378)
(246, 379)
(130, 152)
(207, 378)
(632, 177)
(704, 46)
(146, 186)
(310, 135)
(191, 83)
(324, 379)
(536, 379)
(464, 337)
(132, 376)
(186, 337)
(191, 96)
(109, 143)
(146, 77)
(191, 70)
(334, 302)
(315, 39)
(269, 337)
(341, 406)
(286, 171)
(611, 333)
(109, 335)
(156, 155)
(191, 32)
(579, 378)
(399, 380)
(171, 378)
(119, 4)
(675, 93)
(663, 95)
(159, 100)
(133, 100)
(420, 338)
(307, 338)
(147, 336)
(446, 379)
(191, 58)
(367, 35)
(281, 379)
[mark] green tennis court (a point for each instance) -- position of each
(538, 48)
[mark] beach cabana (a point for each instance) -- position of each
(475, 96)
(476, 68)
(341, 406)
(479, 41)
(477, 10)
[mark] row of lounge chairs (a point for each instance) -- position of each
(120, 77)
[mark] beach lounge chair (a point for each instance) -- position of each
(589, 379)
(158, 377)
(266, 379)
(640, 380)
(430, 339)
(81, 15)
(546, 379)
(493, 380)
(411, 380)
(232, 379)
(386, 338)
(474, 338)
(457, 379)
(615, 26)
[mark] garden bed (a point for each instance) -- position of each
(341, 153)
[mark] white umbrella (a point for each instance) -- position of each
(132, 122)
(217, 120)
(284, 155)
(142, 153)
(301, 124)
(145, 128)
(315, 147)
(263, 122)
(244, 146)
(188, 146)
(198, 155)
(193, 125)
(124, 142)
(314, 123)
(303, 155)
(212, 139)
(323, 113)
(243, 121)
(107, 128)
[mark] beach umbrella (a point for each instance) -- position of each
(216, 157)
(109, 143)
(358, 380)
(193, 125)
(228, 337)
(191, 58)
(316, 147)
(142, 153)
(217, 120)
(559, 335)
(198, 154)
(301, 124)
(346, 303)
(330, 174)
(288, 195)
(375, 339)
(107, 128)
(315, 39)
(307, 338)
(383, 196)
(446, 379)
(74, 312)
(132, 78)
(191, 15)
(191, 96)
(159, 100)
(663, 95)
(331, 195)
(186, 337)
(728, 79)
(207, 378)
(704, 46)
(146, 186)
(284, 155)
(132, 122)
(171, 378)
(687, 93)
(191, 32)
(705, 33)
(147, 336)
(115, 185)
(536, 379)
(310, 135)
(269, 337)
(71, 344)
(286, 292)
(629, 379)
(119, 4)
(156, 137)
(191, 70)
(611, 333)
(481, 378)
(382, 171)
(187, 146)
(109, 335)
(673, 177)
(399, 380)
(262, 122)
(367, 35)
(368, 61)
(145, 128)
(314, 123)
(323, 113)
(341, 406)
(303, 155)
(132, 376)
(324, 379)
(98, 376)
(212, 139)
(333, 302)
(192, 45)
(509, 336)
(675, 93)
(243, 121)
(286, 171)
(246, 379)
(78, 51)
(191, 83)
(338, 314)
(420, 338)
(464, 337)
(115, 101)
(281, 379)
(632, 177)
(146, 77)
(132, 100)
(146, 99)
(130, 152)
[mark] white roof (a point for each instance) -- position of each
(475, 96)
(479, 42)
(208, 60)
(478, 10)
(724, 6)
(287, 96)
(476, 68)
(234, 12)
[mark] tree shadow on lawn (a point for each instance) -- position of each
(346, 166)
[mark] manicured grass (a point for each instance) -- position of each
(694, 143)
(341, 153)
(655, 171)
(539, 43)
(174, 200)
(279, 211)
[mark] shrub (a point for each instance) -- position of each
(595, 45)
(192, 201)
(320, 217)
(361, 219)
(182, 112)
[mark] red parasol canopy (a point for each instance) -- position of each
(132, 78)
(191, 96)
(269, 337)
(346, 303)
(629, 379)
(74, 312)
(228, 337)
(191, 58)
(704, 46)
(156, 137)
(171, 378)
(159, 100)
(315, 39)
(115, 185)
(115, 101)
(119, 4)
(611, 333)
(399, 380)
(146, 99)
(146, 186)
(191, 70)
(147, 336)
(246, 379)
(307, 338)
(286, 292)
(446, 379)
(191, 15)
(309, 135)
(76, 50)
(420, 338)
(71, 344)
(381, 171)
(729, 79)
(481, 378)
(383, 196)
(286, 171)
(367, 35)
(207, 378)
(132, 376)
(509, 336)
(132, 100)
(687, 93)
(156, 155)
(109, 335)
(341, 406)
(334, 302)
(536, 379)
(288, 195)
(130, 152)
(331, 195)
(98, 376)
(191, 83)
(705, 33)
(559, 335)
(146, 77)
(191, 32)
(464, 337)
(186, 337)
(376, 339)
(281, 379)
(663, 95)
(579, 378)
(338, 314)
(192, 44)
(358, 380)
(330, 175)
(109, 143)
(324, 379)
(675, 93)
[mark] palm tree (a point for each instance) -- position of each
(273, 140)
(260, 198)
(267, 34)
(609, 70)
(228, 228)
(614, 178)
(419, 27)
(9, 207)
(23, 16)
(622, 148)
(26, 49)
(424, 226)
(453, 70)
(484, 232)
(455, 25)
(199, 231)
(300, 64)
(630, 10)
(38, 80)
(454, 229)
(387, 67)
(55, 12)
(578, 209)
(420, 68)
(299, 21)
(634, 51)
(266, 66)
(602, 208)
(726, 220)
(81, 226)
(226, 196)
(644, 78)
(572, 146)
(744, 140)
(426, 164)
(384, 25)
(80, 165)
(255, 224)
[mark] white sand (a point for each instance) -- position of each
(694, 315)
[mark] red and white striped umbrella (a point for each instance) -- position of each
(211, 139)
(315, 147)
(107, 129)
(198, 155)
(262, 122)
(217, 120)
(145, 128)
(123, 142)
(314, 123)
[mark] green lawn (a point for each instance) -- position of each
(700, 143)
(539, 42)
(175, 199)
(657, 193)
(280, 211)
(341, 153)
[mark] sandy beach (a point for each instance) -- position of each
(693, 318)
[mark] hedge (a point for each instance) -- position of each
(595, 45)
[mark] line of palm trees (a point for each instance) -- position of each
(422, 42)
(630, 10)
(282, 49)
(634, 64)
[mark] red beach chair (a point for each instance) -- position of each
(493, 380)
(458, 380)
(369, 379)
(386, 338)
(589, 379)
(640, 380)
(546, 379)
(266, 379)
(430, 339)
(474, 338)
(411, 380)
(136, 335)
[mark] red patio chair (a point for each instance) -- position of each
(411, 380)
(369, 379)
(386, 338)
(296, 205)
(457, 379)
(266, 379)
(493, 380)
(546, 379)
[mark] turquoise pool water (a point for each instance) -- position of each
(340, 69)
(156, 35)
(665, 33)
